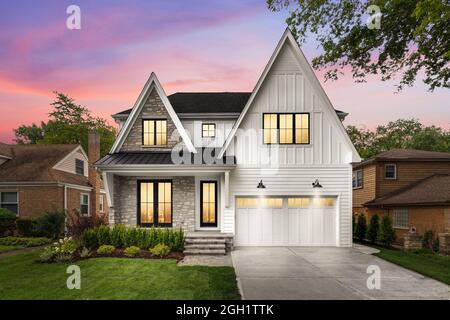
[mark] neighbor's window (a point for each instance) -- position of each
(9, 200)
(155, 203)
(401, 220)
(286, 128)
(79, 167)
(102, 203)
(357, 179)
(390, 171)
(154, 132)
(84, 204)
(208, 130)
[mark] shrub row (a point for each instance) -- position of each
(7, 222)
(375, 232)
(49, 225)
(24, 242)
(121, 237)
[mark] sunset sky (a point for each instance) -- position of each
(191, 45)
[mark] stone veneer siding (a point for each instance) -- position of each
(152, 109)
(183, 202)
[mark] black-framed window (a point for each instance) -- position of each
(390, 171)
(79, 167)
(9, 200)
(84, 204)
(154, 132)
(357, 179)
(286, 128)
(154, 203)
(208, 203)
(101, 203)
(208, 130)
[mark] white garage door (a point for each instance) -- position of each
(285, 221)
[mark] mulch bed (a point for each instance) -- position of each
(143, 254)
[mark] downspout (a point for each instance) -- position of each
(65, 208)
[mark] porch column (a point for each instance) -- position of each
(227, 189)
(108, 182)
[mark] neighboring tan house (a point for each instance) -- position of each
(39, 178)
(237, 165)
(411, 186)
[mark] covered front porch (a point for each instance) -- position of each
(194, 200)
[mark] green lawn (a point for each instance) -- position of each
(422, 261)
(21, 277)
(8, 248)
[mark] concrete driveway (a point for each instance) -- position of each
(284, 273)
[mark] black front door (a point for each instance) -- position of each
(208, 203)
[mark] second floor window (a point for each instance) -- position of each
(154, 132)
(208, 130)
(357, 179)
(390, 172)
(286, 128)
(79, 167)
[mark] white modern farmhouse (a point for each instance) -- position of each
(270, 167)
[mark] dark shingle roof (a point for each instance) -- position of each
(406, 155)
(159, 158)
(433, 190)
(34, 162)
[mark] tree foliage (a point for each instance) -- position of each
(386, 233)
(413, 38)
(372, 230)
(69, 123)
(361, 227)
(400, 134)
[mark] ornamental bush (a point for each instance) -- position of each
(160, 250)
(106, 249)
(50, 225)
(386, 234)
(117, 235)
(60, 251)
(7, 222)
(361, 227)
(24, 241)
(374, 226)
(131, 251)
(26, 227)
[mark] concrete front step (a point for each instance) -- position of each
(205, 251)
(206, 241)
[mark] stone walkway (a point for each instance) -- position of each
(207, 260)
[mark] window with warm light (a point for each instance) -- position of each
(155, 203)
(286, 128)
(208, 130)
(154, 132)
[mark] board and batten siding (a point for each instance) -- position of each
(68, 165)
(292, 168)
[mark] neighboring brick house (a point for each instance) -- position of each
(411, 186)
(35, 179)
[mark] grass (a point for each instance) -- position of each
(424, 262)
(21, 277)
(8, 248)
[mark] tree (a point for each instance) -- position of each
(69, 123)
(374, 226)
(401, 134)
(413, 36)
(361, 227)
(386, 234)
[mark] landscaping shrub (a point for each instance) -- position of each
(178, 240)
(77, 224)
(50, 225)
(131, 237)
(353, 226)
(386, 234)
(26, 227)
(89, 238)
(361, 227)
(23, 241)
(118, 235)
(374, 226)
(106, 249)
(435, 246)
(160, 250)
(430, 241)
(60, 251)
(85, 253)
(103, 235)
(131, 251)
(7, 222)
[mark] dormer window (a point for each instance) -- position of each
(208, 130)
(390, 171)
(154, 132)
(79, 167)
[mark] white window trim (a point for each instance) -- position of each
(362, 179)
(395, 171)
(407, 216)
(16, 203)
(101, 202)
(88, 204)
(215, 130)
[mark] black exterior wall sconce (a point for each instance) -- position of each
(316, 184)
(261, 185)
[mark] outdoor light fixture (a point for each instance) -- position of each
(261, 185)
(316, 184)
